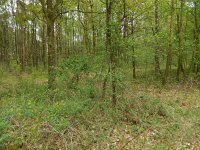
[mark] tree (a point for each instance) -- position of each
(50, 11)
(156, 32)
(180, 36)
(169, 53)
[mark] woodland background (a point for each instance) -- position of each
(99, 74)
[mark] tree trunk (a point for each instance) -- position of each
(180, 53)
(133, 52)
(196, 39)
(51, 45)
(110, 49)
(157, 61)
(169, 54)
(44, 45)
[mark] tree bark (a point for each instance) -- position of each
(169, 54)
(111, 52)
(133, 52)
(157, 61)
(180, 52)
(51, 45)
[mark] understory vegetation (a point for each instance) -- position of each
(147, 116)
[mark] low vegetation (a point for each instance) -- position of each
(146, 116)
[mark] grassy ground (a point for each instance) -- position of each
(148, 116)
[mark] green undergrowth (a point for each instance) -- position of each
(77, 118)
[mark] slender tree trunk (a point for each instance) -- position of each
(94, 38)
(29, 49)
(22, 49)
(58, 42)
(112, 54)
(180, 53)
(157, 61)
(93, 26)
(16, 44)
(196, 39)
(124, 19)
(169, 54)
(51, 45)
(33, 45)
(133, 52)
(110, 49)
(44, 45)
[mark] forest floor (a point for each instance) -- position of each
(147, 116)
